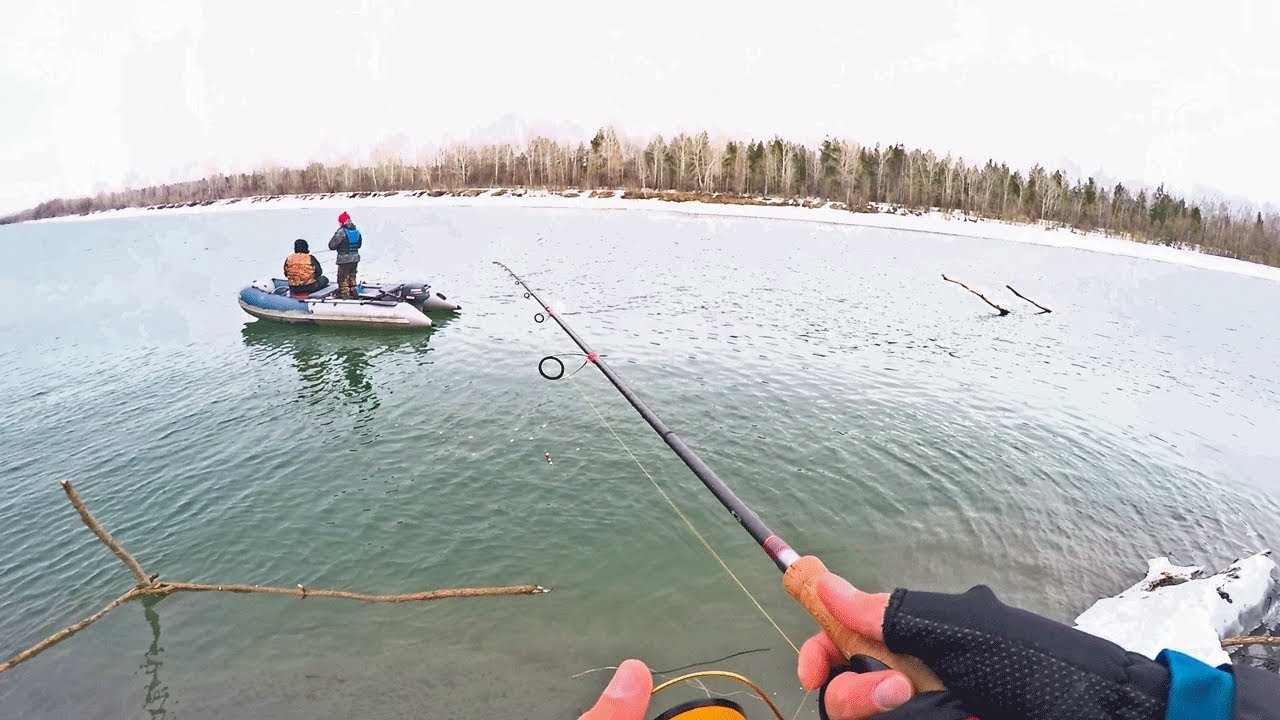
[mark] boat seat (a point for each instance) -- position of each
(324, 292)
(379, 292)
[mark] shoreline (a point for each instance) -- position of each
(885, 217)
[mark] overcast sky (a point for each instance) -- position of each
(100, 94)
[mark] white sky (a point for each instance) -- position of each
(100, 94)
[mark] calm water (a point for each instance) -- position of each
(871, 413)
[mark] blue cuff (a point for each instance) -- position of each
(1196, 690)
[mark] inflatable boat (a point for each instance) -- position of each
(393, 305)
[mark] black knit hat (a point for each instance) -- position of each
(300, 246)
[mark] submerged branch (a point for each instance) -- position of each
(68, 631)
(103, 535)
(1043, 309)
(149, 586)
(975, 292)
(168, 588)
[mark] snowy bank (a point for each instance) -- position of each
(1186, 608)
(937, 222)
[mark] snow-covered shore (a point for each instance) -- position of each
(953, 224)
(1187, 609)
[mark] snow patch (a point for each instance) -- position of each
(1186, 608)
(888, 218)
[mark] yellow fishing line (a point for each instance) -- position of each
(686, 520)
(705, 544)
(727, 675)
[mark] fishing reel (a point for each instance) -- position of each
(720, 708)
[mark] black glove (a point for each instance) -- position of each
(1003, 663)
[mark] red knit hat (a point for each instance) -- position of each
(344, 218)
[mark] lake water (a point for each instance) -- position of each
(869, 412)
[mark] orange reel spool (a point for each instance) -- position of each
(705, 709)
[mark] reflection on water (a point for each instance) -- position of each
(336, 366)
(157, 692)
(355, 365)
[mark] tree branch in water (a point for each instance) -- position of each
(151, 586)
(975, 292)
(68, 631)
(1043, 309)
(103, 535)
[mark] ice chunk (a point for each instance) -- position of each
(1187, 609)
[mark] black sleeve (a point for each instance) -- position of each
(1257, 694)
(315, 266)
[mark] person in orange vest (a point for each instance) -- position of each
(346, 241)
(303, 271)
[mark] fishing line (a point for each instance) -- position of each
(689, 524)
(722, 564)
(708, 662)
(671, 503)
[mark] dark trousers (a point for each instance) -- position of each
(347, 279)
(321, 283)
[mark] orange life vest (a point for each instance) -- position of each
(298, 270)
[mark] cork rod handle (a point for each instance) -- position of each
(801, 582)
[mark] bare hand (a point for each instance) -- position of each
(851, 696)
(627, 695)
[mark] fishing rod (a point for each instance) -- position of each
(800, 573)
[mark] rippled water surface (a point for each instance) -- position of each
(868, 411)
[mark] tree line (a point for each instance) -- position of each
(855, 175)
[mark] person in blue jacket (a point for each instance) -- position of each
(347, 241)
(997, 662)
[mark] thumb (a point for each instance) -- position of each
(627, 695)
(861, 612)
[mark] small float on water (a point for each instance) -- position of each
(385, 305)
